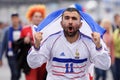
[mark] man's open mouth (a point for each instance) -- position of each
(70, 29)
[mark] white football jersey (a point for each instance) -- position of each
(68, 61)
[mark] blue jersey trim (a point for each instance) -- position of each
(69, 60)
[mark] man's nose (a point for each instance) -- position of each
(70, 21)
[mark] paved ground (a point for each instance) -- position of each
(5, 72)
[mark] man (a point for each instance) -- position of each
(1, 36)
(116, 22)
(11, 35)
(35, 14)
(116, 38)
(69, 53)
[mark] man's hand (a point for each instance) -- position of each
(0, 63)
(96, 39)
(38, 39)
(27, 40)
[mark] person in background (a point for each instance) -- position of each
(11, 35)
(116, 22)
(1, 37)
(108, 38)
(116, 38)
(35, 14)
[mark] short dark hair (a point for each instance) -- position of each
(14, 15)
(70, 10)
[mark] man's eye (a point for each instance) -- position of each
(66, 17)
(74, 18)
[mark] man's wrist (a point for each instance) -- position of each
(98, 47)
(37, 46)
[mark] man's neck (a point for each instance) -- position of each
(34, 24)
(74, 38)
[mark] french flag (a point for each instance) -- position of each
(51, 24)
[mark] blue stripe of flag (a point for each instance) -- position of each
(49, 19)
(55, 15)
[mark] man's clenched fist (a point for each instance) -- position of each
(37, 38)
(96, 39)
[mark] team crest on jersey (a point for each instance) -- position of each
(77, 54)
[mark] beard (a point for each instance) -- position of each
(71, 31)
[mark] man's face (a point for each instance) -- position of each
(71, 23)
(15, 20)
(107, 25)
(37, 18)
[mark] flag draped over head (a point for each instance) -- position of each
(51, 24)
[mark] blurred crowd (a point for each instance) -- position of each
(111, 38)
(17, 38)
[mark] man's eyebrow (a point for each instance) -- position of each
(66, 16)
